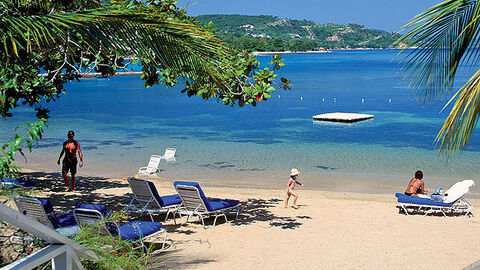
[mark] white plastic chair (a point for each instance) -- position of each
(169, 154)
(152, 166)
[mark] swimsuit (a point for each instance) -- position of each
(294, 182)
(69, 164)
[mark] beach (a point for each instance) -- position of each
(329, 230)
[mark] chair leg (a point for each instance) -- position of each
(164, 239)
(215, 220)
(166, 216)
(236, 216)
(175, 217)
(203, 223)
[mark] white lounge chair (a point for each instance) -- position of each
(169, 154)
(134, 231)
(146, 199)
(454, 202)
(195, 203)
(152, 167)
(42, 210)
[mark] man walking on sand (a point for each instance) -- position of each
(70, 148)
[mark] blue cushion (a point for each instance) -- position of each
(47, 205)
(25, 183)
(164, 200)
(65, 220)
(171, 200)
(138, 229)
(402, 198)
(211, 204)
(218, 204)
(99, 207)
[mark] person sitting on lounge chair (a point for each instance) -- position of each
(416, 185)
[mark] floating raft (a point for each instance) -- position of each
(342, 117)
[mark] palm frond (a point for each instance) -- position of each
(460, 124)
(439, 39)
(186, 48)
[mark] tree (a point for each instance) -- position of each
(440, 39)
(46, 43)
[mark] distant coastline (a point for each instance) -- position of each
(318, 51)
(282, 52)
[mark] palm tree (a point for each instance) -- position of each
(438, 41)
(66, 38)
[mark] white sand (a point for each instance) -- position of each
(330, 230)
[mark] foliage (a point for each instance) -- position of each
(269, 33)
(113, 252)
(33, 133)
(439, 39)
(46, 43)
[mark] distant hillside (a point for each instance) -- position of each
(269, 33)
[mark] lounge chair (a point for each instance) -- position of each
(194, 202)
(146, 199)
(134, 231)
(169, 154)
(14, 183)
(152, 167)
(454, 202)
(42, 210)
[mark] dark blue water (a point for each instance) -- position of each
(120, 124)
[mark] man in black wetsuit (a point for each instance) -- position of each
(70, 148)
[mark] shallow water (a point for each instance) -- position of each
(119, 124)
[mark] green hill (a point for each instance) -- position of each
(270, 33)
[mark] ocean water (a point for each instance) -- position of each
(119, 124)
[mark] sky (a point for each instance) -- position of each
(387, 15)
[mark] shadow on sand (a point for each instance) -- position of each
(54, 186)
(258, 210)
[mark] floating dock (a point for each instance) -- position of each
(342, 117)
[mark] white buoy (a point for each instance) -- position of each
(323, 99)
(363, 100)
(389, 100)
(301, 98)
(278, 96)
(334, 99)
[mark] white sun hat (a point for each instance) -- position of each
(294, 172)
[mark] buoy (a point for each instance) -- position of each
(363, 100)
(323, 99)
(389, 100)
(278, 96)
(334, 99)
(301, 98)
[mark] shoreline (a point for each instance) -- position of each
(353, 183)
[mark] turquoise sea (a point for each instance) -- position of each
(119, 124)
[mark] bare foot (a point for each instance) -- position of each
(72, 190)
(286, 206)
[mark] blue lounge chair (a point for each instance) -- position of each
(194, 202)
(42, 210)
(454, 201)
(146, 199)
(14, 183)
(134, 231)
